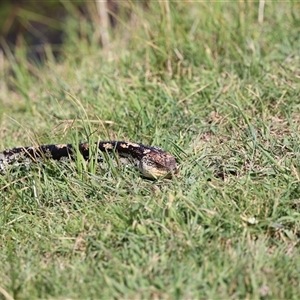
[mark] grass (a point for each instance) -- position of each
(206, 82)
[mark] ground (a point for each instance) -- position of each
(215, 84)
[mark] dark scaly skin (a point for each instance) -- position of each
(152, 162)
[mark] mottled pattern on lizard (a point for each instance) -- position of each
(152, 162)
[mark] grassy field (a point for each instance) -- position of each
(217, 85)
